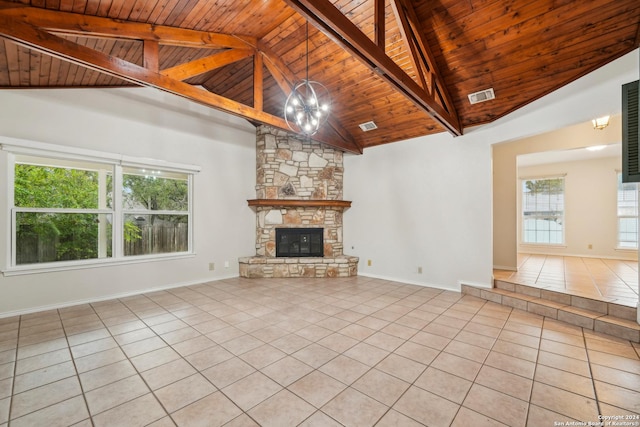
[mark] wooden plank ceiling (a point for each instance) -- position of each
(407, 65)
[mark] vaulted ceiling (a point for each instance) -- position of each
(407, 65)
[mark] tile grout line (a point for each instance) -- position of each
(593, 380)
(461, 405)
(126, 358)
(139, 373)
(349, 386)
(412, 384)
(450, 305)
(75, 367)
(15, 370)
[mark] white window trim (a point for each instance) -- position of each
(561, 245)
(618, 247)
(15, 146)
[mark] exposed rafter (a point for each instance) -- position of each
(333, 23)
(421, 57)
(37, 29)
(86, 25)
(200, 66)
(379, 23)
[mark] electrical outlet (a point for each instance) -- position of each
(212, 266)
(226, 264)
(419, 270)
(590, 246)
(369, 263)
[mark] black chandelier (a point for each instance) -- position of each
(307, 106)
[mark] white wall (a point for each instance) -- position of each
(428, 201)
(590, 218)
(150, 124)
(421, 203)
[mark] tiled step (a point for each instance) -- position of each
(600, 316)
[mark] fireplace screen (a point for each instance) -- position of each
(299, 242)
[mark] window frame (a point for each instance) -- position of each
(17, 147)
(562, 177)
(619, 217)
(128, 211)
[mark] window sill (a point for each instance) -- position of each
(619, 249)
(543, 245)
(82, 265)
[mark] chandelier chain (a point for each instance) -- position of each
(307, 106)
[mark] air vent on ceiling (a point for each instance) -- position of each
(366, 127)
(483, 95)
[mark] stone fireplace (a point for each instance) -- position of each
(298, 185)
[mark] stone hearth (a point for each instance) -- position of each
(298, 184)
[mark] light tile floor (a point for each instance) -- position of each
(602, 279)
(310, 352)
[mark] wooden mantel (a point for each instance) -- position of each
(288, 203)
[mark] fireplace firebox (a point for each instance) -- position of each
(299, 242)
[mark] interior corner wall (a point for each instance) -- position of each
(422, 204)
(143, 123)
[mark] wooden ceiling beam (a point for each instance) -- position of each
(379, 24)
(93, 26)
(42, 41)
(409, 41)
(421, 55)
(258, 82)
(335, 25)
(203, 65)
(151, 55)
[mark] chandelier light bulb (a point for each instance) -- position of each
(306, 106)
(302, 109)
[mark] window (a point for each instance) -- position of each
(627, 214)
(77, 210)
(156, 211)
(60, 210)
(543, 211)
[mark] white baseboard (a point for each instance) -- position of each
(411, 282)
(633, 255)
(475, 284)
(110, 297)
(504, 267)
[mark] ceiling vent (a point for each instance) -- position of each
(483, 95)
(366, 127)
